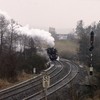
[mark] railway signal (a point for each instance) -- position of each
(92, 37)
(91, 41)
(91, 70)
(46, 83)
(90, 49)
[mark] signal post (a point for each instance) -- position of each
(91, 60)
(46, 83)
(91, 53)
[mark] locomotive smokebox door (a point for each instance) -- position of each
(52, 53)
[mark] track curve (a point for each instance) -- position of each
(66, 78)
(18, 92)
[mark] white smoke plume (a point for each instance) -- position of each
(40, 37)
(43, 37)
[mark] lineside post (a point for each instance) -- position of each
(46, 83)
(91, 60)
(91, 52)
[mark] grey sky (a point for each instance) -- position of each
(56, 13)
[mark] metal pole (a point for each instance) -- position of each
(45, 84)
(91, 64)
(91, 59)
(91, 54)
(45, 93)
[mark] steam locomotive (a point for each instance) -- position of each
(52, 52)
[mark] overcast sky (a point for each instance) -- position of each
(55, 13)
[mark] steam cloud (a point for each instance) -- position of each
(43, 37)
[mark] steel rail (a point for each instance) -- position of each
(53, 76)
(35, 79)
(36, 95)
(52, 88)
(25, 83)
(28, 87)
(65, 82)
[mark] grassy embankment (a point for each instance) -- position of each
(66, 49)
(24, 76)
(69, 49)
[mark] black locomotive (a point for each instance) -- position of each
(52, 52)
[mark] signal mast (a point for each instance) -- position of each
(91, 53)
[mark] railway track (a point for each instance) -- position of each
(33, 90)
(22, 90)
(63, 80)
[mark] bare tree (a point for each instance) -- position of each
(3, 27)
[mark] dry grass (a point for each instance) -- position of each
(4, 84)
(24, 76)
(95, 98)
(97, 95)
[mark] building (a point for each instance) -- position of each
(62, 36)
(53, 32)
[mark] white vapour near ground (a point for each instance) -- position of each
(40, 37)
